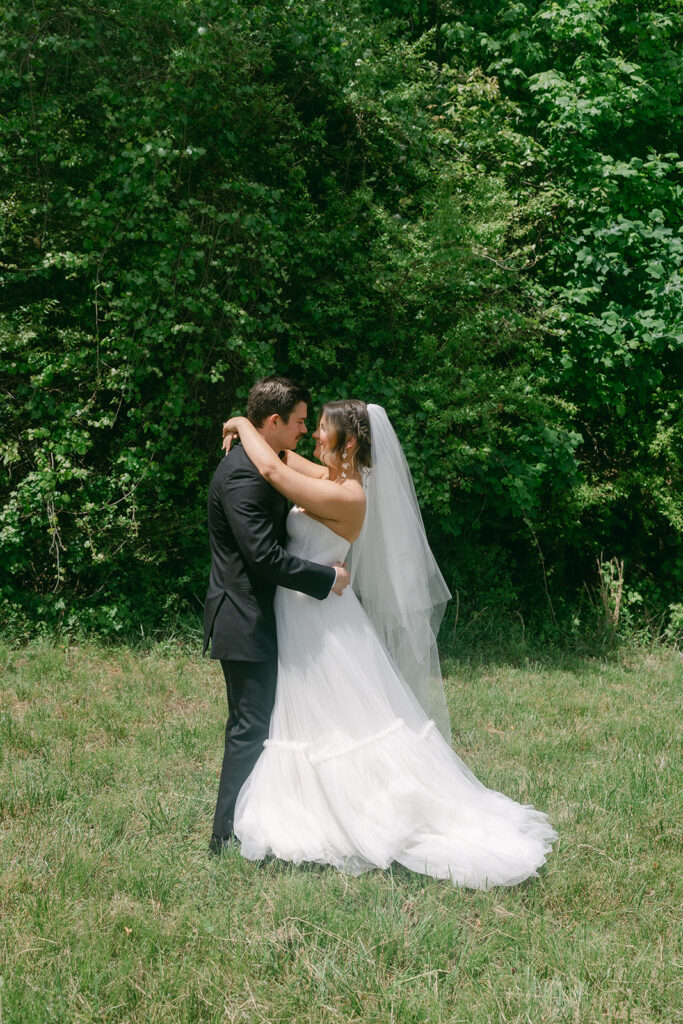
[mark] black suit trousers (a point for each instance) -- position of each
(251, 694)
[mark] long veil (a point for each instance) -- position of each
(395, 574)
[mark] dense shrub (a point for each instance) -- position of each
(449, 218)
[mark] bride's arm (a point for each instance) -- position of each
(305, 466)
(292, 459)
(325, 499)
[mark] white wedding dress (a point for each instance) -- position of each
(354, 773)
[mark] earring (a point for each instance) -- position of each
(345, 466)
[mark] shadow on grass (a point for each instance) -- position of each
(396, 875)
(550, 651)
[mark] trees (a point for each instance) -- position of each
(394, 207)
(600, 86)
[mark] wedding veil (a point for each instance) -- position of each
(395, 574)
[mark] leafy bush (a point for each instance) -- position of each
(462, 221)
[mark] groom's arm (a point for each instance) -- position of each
(246, 504)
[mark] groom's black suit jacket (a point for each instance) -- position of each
(247, 533)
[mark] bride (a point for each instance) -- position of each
(358, 771)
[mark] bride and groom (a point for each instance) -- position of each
(337, 740)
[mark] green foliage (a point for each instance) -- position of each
(473, 223)
(598, 88)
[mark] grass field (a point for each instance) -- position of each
(111, 909)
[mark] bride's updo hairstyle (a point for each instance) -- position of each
(348, 418)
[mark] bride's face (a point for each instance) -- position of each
(325, 440)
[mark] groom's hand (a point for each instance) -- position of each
(342, 580)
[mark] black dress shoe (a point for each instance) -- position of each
(217, 844)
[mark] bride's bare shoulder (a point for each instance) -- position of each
(354, 488)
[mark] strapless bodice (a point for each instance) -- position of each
(312, 540)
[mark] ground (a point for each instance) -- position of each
(112, 910)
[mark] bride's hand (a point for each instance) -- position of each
(230, 433)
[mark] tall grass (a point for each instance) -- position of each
(111, 909)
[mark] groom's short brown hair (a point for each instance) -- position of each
(272, 395)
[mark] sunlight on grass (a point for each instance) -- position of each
(111, 909)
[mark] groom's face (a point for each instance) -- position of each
(288, 433)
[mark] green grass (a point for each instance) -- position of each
(111, 910)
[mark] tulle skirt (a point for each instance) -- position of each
(355, 775)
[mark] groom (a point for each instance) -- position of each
(246, 534)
